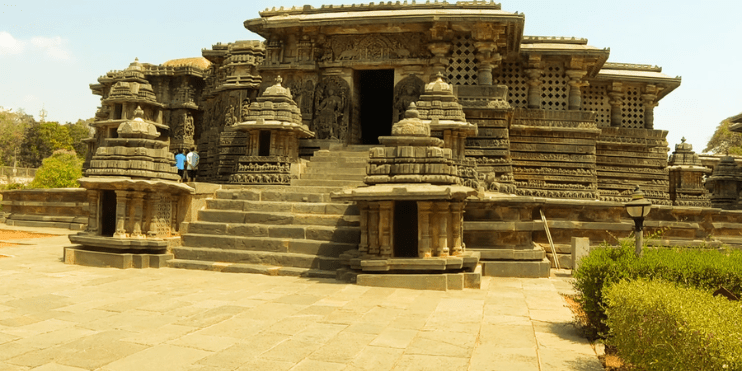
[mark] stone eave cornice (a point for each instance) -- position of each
(118, 182)
(594, 58)
(350, 18)
(130, 99)
(667, 83)
(117, 122)
(423, 4)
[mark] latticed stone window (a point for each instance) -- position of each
(511, 74)
(596, 99)
(554, 88)
(632, 109)
(462, 67)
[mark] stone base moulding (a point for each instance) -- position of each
(440, 282)
(80, 256)
(523, 269)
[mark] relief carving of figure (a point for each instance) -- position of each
(188, 127)
(179, 125)
(407, 91)
(229, 118)
(329, 114)
(245, 109)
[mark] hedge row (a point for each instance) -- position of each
(702, 269)
(657, 325)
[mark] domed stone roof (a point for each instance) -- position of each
(199, 62)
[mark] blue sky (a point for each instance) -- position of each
(50, 51)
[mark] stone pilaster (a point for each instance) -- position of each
(423, 223)
(575, 88)
(122, 198)
(386, 221)
(93, 215)
(534, 92)
(440, 51)
(373, 228)
(442, 216)
(616, 100)
(363, 245)
(649, 99)
(137, 201)
(457, 220)
(488, 60)
(149, 214)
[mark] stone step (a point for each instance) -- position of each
(339, 177)
(325, 153)
(334, 170)
(277, 206)
(335, 158)
(352, 147)
(276, 218)
(348, 235)
(326, 183)
(304, 193)
(257, 257)
(266, 244)
(250, 268)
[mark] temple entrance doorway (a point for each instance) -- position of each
(107, 213)
(377, 104)
(405, 229)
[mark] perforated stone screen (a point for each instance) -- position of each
(554, 88)
(595, 98)
(632, 109)
(462, 67)
(511, 74)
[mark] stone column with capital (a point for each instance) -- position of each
(373, 228)
(423, 227)
(575, 88)
(386, 221)
(457, 221)
(363, 245)
(442, 216)
(488, 60)
(150, 222)
(93, 217)
(122, 198)
(137, 202)
(534, 84)
(616, 102)
(440, 51)
(649, 99)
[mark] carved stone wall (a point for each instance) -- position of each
(332, 109)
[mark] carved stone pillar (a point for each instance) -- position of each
(650, 101)
(121, 206)
(373, 228)
(423, 229)
(439, 61)
(386, 221)
(93, 215)
(575, 88)
(488, 60)
(457, 220)
(534, 91)
(137, 203)
(442, 215)
(151, 223)
(616, 101)
(363, 245)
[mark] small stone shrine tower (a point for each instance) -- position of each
(135, 200)
(274, 125)
(412, 211)
(686, 177)
(724, 184)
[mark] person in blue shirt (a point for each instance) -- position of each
(180, 160)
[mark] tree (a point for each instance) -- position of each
(42, 139)
(60, 170)
(78, 132)
(13, 126)
(724, 140)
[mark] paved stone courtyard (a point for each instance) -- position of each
(64, 317)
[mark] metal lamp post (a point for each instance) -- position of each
(638, 208)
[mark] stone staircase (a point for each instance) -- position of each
(278, 230)
(340, 166)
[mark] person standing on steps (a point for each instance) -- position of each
(180, 160)
(192, 161)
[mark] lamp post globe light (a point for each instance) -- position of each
(638, 208)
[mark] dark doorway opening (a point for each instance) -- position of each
(405, 229)
(377, 104)
(264, 143)
(108, 213)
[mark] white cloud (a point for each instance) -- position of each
(54, 47)
(10, 45)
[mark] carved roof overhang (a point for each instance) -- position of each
(638, 73)
(392, 18)
(118, 182)
(574, 51)
(403, 191)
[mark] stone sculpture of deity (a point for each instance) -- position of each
(329, 114)
(188, 127)
(245, 109)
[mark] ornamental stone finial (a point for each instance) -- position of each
(682, 140)
(279, 80)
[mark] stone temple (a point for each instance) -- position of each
(390, 141)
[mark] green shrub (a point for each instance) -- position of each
(699, 268)
(657, 325)
(60, 170)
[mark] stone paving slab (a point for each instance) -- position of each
(58, 317)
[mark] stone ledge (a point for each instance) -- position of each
(80, 256)
(440, 282)
(46, 224)
(524, 269)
